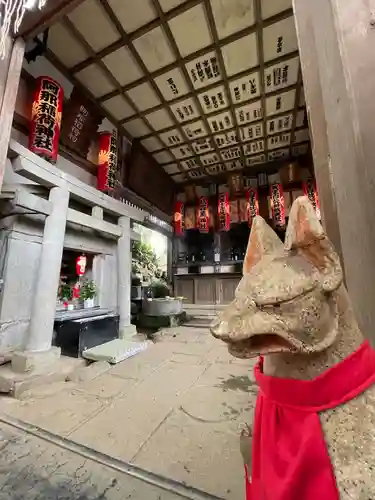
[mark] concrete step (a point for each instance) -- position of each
(15, 384)
(202, 322)
(205, 307)
(203, 310)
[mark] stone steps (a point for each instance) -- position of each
(201, 315)
(203, 310)
(15, 383)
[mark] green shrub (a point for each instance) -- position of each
(65, 291)
(160, 289)
(88, 290)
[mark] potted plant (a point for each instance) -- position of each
(88, 293)
(65, 294)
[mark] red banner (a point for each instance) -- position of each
(46, 115)
(309, 190)
(107, 162)
(223, 212)
(277, 205)
(252, 204)
(179, 214)
(203, 215)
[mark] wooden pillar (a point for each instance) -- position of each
(10, 72)
(317, 120)
(344, 37)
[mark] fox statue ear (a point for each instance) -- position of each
(306, 235)
(262, 240)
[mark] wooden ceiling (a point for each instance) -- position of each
(207, 86)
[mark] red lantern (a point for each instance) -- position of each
(309, 190)
(203, 215)
(224, 212)
(179, 214)
(81, 265)
(46, 115)
(277, 205)
(252, 204)
(107, 161)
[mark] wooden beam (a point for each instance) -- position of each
(31, 202)
(344, 32)
(317, 120)
(8, 99)
(90, 222)
(39, 170)
(37, 21)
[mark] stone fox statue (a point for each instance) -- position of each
(314, 426)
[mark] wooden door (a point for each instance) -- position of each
(205, 292)
(185, 288)
(226, 288)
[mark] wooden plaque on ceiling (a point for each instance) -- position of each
(236, 184)
(80, 122)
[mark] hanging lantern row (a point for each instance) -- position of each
(45, 128)
(46, 116)
(277, 205)
(107, 161)
(309, 190)
(201, 217)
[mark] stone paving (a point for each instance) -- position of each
(174, 409)
(33, 469)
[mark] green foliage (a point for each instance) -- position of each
(88, 290)
(160, 289)
(65, 291)
(144, 261)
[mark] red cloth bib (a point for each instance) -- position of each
(289, 456)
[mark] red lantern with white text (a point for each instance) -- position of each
(203, 215)
(252, 204)
(277, 205)
(223, 212)
(81, 265)
(45, 124)
(309, 190)
(178, 219)
(107, 167)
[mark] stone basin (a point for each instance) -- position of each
(162, 307)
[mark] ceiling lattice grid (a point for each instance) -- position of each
(207, 86)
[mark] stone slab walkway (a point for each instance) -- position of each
(175, 409)
(33, 469)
